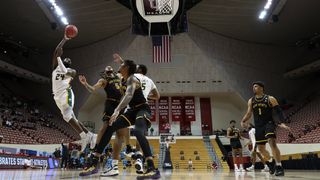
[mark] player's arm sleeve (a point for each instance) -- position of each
(61, 65)
(58, 52)
(277, 109)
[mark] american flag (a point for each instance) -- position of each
(161, 49)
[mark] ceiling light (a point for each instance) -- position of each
(271, 10)
(64, 20)
(54, 4)
(268, 5)
(263, 14)
(59, 11)
(54, 12)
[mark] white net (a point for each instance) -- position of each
(164, 6)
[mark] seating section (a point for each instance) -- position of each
(193, 149)
(305, 124)
(15, 137)
(215, 146)
(24, 121)
(18, 134)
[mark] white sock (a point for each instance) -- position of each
(252, 165)
(235, 166)
(115, 162)
(265, 166)
(278, 164)
(83, 135)
(241, 166)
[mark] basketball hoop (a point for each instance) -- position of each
(164, 6)
(167, 138)
(157, 11)
(161, 6)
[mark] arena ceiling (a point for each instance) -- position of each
(100, 19)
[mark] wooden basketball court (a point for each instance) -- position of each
(167, 175)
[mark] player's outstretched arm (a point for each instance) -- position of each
(117, 58)
(58, 52)
(100, 84)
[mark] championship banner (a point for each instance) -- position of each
(153, 107)
(189, 109)
(164, 109)
(163, 115)
(176, 108)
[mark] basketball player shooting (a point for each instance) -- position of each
(62, 75)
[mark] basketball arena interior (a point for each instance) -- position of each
(217, 68)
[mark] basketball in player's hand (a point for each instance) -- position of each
(71, 31)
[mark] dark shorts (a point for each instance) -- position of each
(236, 144)
(265, 132)
(131, 115)
(109, 107)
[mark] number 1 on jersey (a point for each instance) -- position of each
(260, 111)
